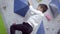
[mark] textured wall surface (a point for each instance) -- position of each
(7, 8)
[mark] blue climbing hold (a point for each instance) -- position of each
(21, 7)
(55, 7)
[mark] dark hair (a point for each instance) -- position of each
(44, 7)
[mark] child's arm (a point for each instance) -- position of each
(31, 6)
(30, 2)
(32, 9)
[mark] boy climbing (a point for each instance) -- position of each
(33, 20)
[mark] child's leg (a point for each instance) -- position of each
(20, 27)
(16, 27)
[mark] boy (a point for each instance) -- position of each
(33, 21)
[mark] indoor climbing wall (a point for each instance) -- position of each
(52, 27)
(48, 27)
(7, 8)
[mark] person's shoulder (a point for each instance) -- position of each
(42, 14)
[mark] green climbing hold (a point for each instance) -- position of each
(2, 26)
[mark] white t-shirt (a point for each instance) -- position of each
(35, 18)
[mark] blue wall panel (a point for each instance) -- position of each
(41, 29)
(55, 7)
(21, 7)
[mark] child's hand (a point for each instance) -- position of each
(30, 2)
(38, 0)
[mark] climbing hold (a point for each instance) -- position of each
(48, 17)
(21, 7)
